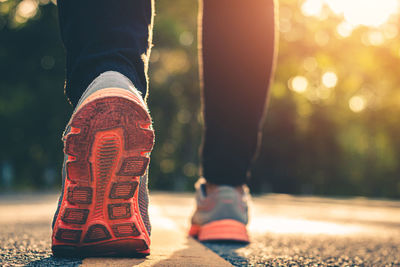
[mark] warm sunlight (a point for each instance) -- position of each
(371, 13)
(281, 225)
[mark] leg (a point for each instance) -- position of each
(100, 36)
(238, 52)
(103, 208)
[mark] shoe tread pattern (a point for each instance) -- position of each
(108, 151)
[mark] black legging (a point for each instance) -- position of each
(237, 60)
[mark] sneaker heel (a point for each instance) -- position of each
(224, 230)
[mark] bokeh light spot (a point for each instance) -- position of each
(298, 84)
(167, 165)
(312, 7)
(190, 169)
(25, 10)
(186, 38)
(310, 64)
(376, 38)
(184, 116)
(344, 29)
(390, 31)
(329, 79)
(357, 103)
(285, 25)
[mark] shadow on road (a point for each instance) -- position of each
(227, 250)
(53, 261)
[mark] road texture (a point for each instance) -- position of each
(285, 230)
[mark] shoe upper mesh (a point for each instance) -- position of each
(143, 200)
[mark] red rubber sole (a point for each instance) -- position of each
(221, 230)
(108, 150)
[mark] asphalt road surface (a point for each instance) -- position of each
(285, 230)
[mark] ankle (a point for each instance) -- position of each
(211, 188)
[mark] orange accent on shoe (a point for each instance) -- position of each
(224, 230)
(99, 213)
(194, 230)
(75, 130)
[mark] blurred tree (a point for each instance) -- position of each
(332, 126)
(33, 110)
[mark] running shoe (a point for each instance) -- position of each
(221, 215)
(103, 208)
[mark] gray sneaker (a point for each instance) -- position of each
(220, 215)
(103, 205)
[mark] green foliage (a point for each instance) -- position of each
(33, 110)
(320, 139)
(323, 140)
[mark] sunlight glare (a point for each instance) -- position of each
(372, 13)
(282, 225)
(312, 7)
(369, 12)
(162, 221)
(336, 5)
